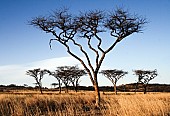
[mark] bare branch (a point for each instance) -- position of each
(79, 59)
(122, 24)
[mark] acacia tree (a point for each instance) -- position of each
(54, 74)
(89, 26)
(144, 76)
(114, 76)
(75, 74)
(63, 72)
(38, 75)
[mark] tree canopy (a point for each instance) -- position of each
(114, 76)
(145, 76)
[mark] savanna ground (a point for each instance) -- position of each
(28, 103)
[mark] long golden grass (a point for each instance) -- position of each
(82, 104)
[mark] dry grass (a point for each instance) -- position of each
(155, 104)
(139, 105)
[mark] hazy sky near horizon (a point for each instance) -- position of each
(24, 47)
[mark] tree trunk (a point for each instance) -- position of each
(97, 93)
(74, 87)
(66, 90)
(59, 86)
(145, 86)
(136, 86)
(40, 88)
(115, 89)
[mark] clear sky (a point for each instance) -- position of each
(24, 47)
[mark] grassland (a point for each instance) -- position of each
(82, 103)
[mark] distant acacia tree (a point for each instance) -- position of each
(114, 76)
(54, 74)
(75, 74)
(89, 26)
(70, 74)
(63, 72)
(144, 76)
(38, 76)
(25, 85)
(54, 84)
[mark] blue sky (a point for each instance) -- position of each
(24, 47)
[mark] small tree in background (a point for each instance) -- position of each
(38, 76)
(54, 74)
(144, 76)
(54, 84)
(114, 76)
(75, 74)
(25, 85)
(63, 72)
(70, 74)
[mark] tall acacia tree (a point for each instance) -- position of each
(114, 76)
(144, 76)
(38, 75)
(89, 26)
